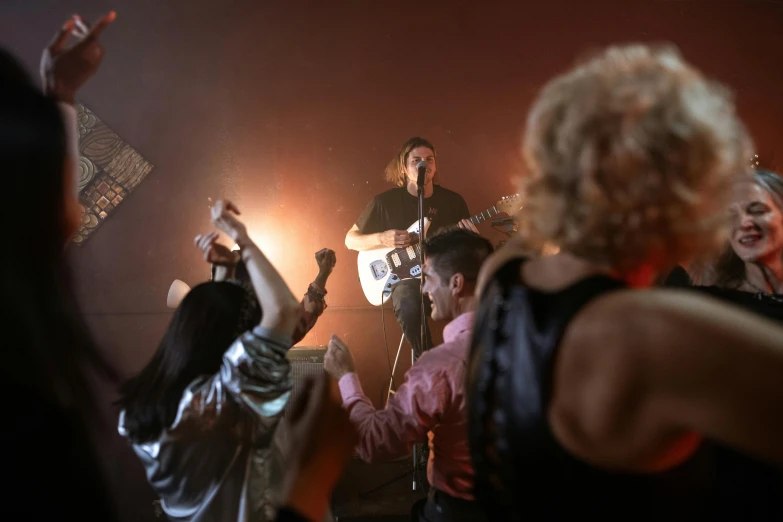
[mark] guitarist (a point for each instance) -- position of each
(384, 221)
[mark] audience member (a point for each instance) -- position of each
(590, 397)
(51, 467)
(431, 401)
(203, 414)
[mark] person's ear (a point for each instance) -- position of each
(457, 283)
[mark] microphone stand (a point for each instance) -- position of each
(422, 170)
(423, 318)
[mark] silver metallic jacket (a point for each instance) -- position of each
(222, 459)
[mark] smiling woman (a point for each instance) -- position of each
(749, 274)
(753, 262)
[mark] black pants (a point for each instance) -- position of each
(406, 298)
(440, 507)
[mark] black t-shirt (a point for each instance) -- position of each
(397, 209)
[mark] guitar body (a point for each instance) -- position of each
(380, 269)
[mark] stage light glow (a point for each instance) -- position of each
(269, 244)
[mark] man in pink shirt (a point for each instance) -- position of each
(431, 401)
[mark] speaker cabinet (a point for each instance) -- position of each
(305, 361)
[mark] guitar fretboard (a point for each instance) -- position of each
(483, 216)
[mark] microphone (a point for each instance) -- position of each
(422, 169)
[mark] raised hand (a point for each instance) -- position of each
(338, 359)
(223, 215)
(395, 238)
(214, 252)
(65, 69)
(326, 260)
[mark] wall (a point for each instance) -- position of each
(293, 109)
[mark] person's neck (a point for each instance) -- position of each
(413, 189)
(463, 305)
(765, 276)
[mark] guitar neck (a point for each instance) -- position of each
(483, 216)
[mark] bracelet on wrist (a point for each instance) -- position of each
(317, 289)
(316, 294)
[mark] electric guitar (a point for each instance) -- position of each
(381, 268)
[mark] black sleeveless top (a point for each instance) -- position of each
(522, 472)
(748, 489)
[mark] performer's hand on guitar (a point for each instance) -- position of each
(214, 252)
(64, 71)
(395, 239)
(466, 224)
(338, 359)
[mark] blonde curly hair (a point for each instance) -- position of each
(630, 158)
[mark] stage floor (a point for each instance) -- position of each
(353, 501)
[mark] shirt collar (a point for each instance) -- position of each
(458, 325)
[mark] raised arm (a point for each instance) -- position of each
(224, 261)
(641, 391)
(408, 416)
(65, 67)
(314, 301)
(280, 310)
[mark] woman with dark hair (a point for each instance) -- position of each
(202, 415)
(50, 468)
(227, 265)
(590, 395)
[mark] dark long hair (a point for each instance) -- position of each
(729, 270)
(48, 346)
(204, 325)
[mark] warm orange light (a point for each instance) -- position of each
(272, 245)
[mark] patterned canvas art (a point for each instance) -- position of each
(109, 170)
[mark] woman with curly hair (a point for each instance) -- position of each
(591, 395)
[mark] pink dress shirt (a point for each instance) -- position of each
(430, 403)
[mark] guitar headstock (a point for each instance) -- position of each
(509, 204)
